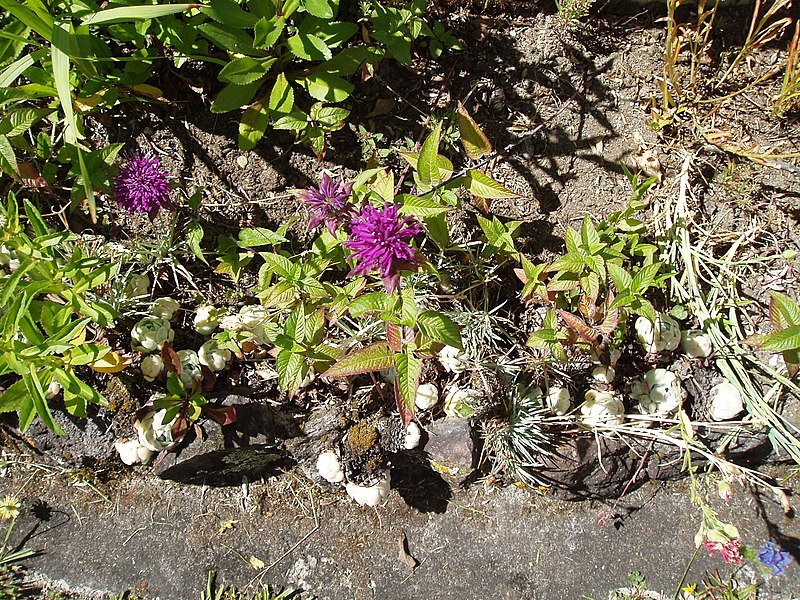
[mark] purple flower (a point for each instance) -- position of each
(142, 185)
(773, 558)
(378, 239)
(328, 203)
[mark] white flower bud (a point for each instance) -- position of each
(153, 433)
(452, 359)
(427, 396)
(461, 402)
(696, 344)
(191, 370)
(152, 366)
(149, 334)
(52, 390)
(660, 392)
(214, 356)
(133, 452)
(206, 320)
(602, 408)
(8, 258)
(370, 495)
(329, 467)
(413, 435)
(603, 374)
(164, 308)
(138, 285)
(558, 400)
(664, 334)
(726, 401)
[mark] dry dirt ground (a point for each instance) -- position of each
(160, 538)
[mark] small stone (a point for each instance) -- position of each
(241, 160)
(451, 447)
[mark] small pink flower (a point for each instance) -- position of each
(729, 551)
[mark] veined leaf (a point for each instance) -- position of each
(484, 186)
(375, 357)
(475, 142)
(281, 98)
(785, 339)
(234, 96)
(421, 208)
(8, 159)
(327, 87)
(308, 47)
(375, 301)
(324, 9)
(253, 237)
(440, 327)
(621, 278)
(111, 363)
(783, 312)
(254, 124)
(427, 167)
(228, 12)
(13, 397)
(408, 369)
(267, 31)
(227, 38)
(246, 69)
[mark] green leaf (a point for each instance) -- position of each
(484, 186)
(783, 311)
(408, 371)
(227, 38)
(375, 357)
(267, 31)
(324, 9)
(277, 263)
(308, 47)
(785, 339)
(427, 167)
(330, 118)
(326, 87)
(475, 142)
(246, 70)
(253, 237)
(34, 387)
(281, 98)
(228, 12)
(63, 40)
(134, 13)
(8, 159)
(372, 302)
(86, 354)
(296, 121)
(291, 370)
(76, 393)
(419, 207)
(15, 395)
(621, 278)
(194, 236)
(17, 122)
(234, 96)
(645, 278)
(440, 327)
(254, 124)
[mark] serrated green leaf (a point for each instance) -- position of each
(475, 142)
(482, 185)
(254, 124)
(375, 357)
(645, 278)
(228, 38)
(194, 236)
(324, 9)
(408, 369)
(17, 122)
(234, 96)
(440, 327)
(36, 391)
(12, 399)
(308, 47)
(244, 70)
(785, 339)
(253, 237)
(267, 31)
(295, 121)
(421, 208)
(228, 12)
(621, 278)
(290, 367)
(327, 87)
(8, 159)
(783, 311)
(372, 302)
(427, 167)
(281, 98)
(589, 236)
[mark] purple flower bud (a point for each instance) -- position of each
(378, 239)
(773, 558)
(142, 185)
(328, 203)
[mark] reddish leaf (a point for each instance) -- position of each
(585, 333)
(394, 337)
(520, 273)
(224, 416)
(610, 322)
(172, 362)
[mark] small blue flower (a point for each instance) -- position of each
(773, 558)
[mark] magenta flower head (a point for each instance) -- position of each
(142, 185)
(729, 550)
(328, 203)
(773, 558)
(379, 240)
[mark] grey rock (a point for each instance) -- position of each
(451, 447)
